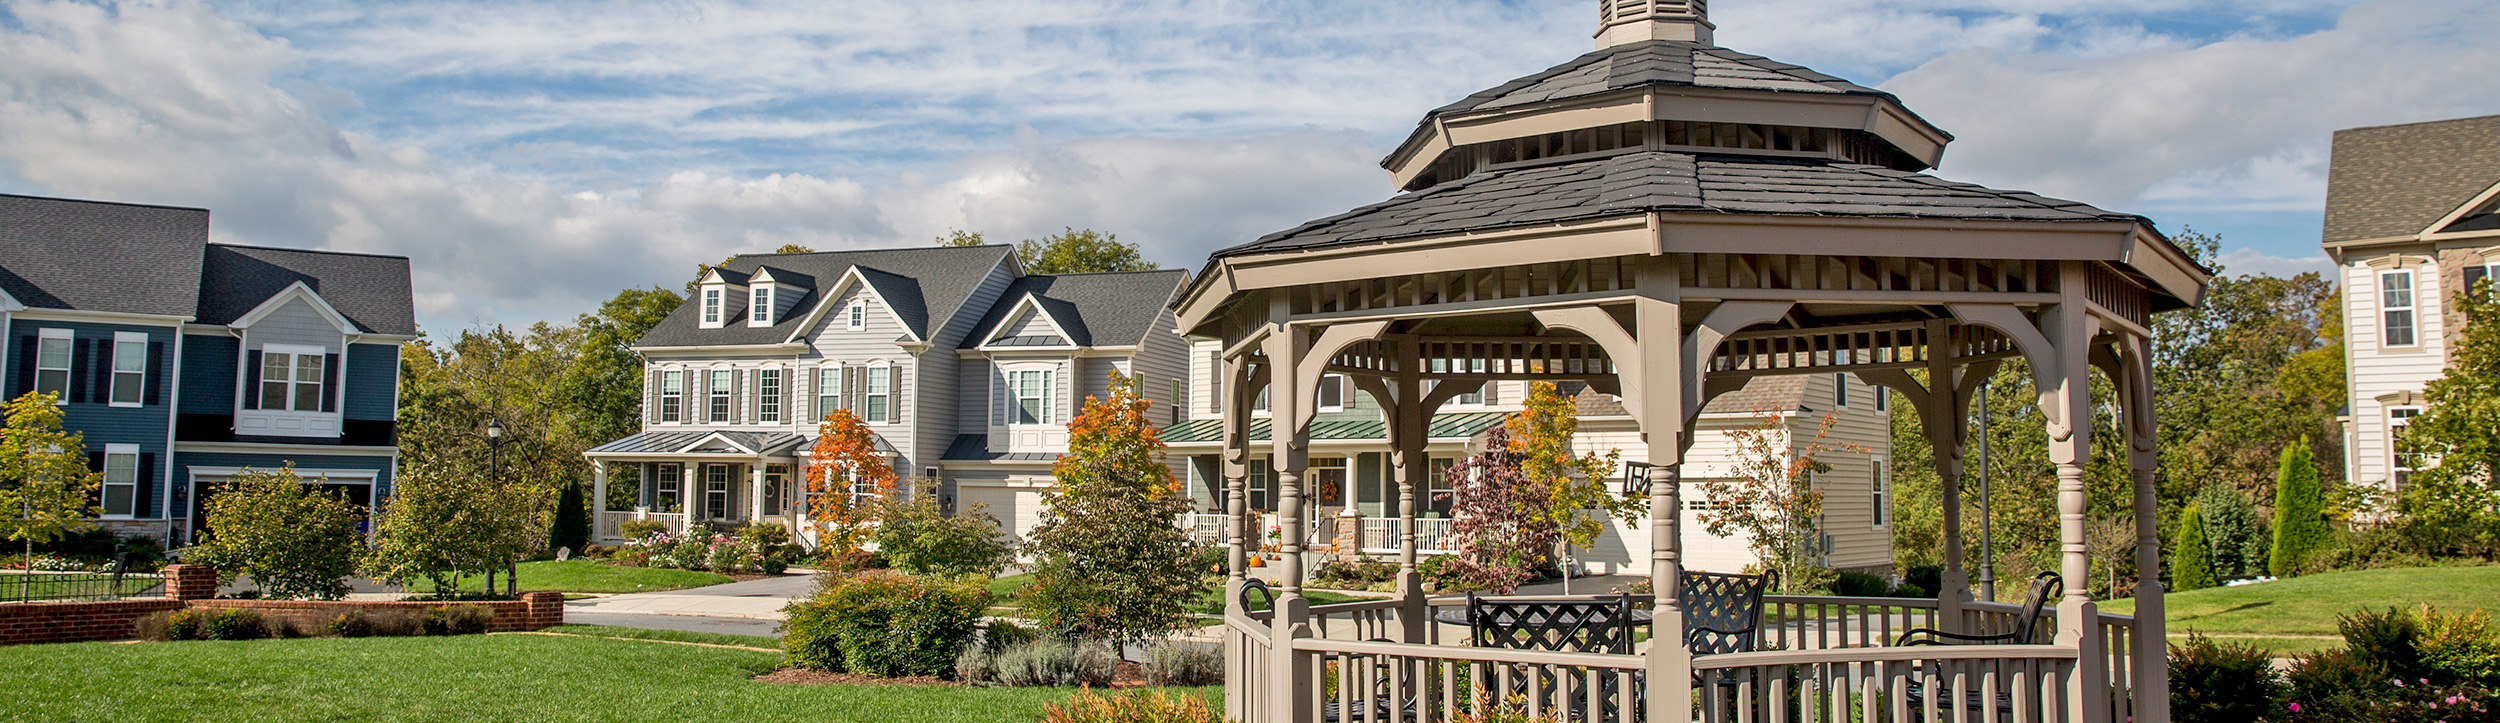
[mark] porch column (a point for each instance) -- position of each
(2152, 670)
(686, 493)
(2068, 404)
(1660, 367)
(598, 500)
(1946, 430)
(755, 492)
(1232, 382)
(1290, 682)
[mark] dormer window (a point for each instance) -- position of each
(711, 306)
(761, 311)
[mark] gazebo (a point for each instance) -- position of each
(1665, 220)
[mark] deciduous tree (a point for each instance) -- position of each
(45, 485)
(442, 523)
(296, 540)
(1770, 499)
(1109, 563)
(1079, 251)
(2452, 501)
(847, 483)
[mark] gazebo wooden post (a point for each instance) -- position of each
(1946, 428)
(2152, 671)
(1661, 370)
(1233, 386)
(2068, 401)
(1409, 466)
(1290, 681)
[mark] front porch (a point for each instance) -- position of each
(716, 479)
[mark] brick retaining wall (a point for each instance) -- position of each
(195, 586)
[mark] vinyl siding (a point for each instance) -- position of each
(2377, 370)
(1030, 323)
(209, 373)
(295, 323)
(99, 422)
(834, 340)
(942, 374)
(371, 374)
(1161, 358)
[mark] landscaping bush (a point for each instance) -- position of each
(2389, 641)
(2463, 648)
(1001, 633)
(1851, 583)
(295, 540)
(397, 622)
(234, 624)
(1211, 558)
(638, 529)
(2399, 665)
(725, 559)
(1929, 578)
(351, 624)
(1445, 577)
(884, 623)
(919, 538)
(1173, 662)
(1357, 574)
(1136, 706)
(1041, 662)
(2216, 683)
(570, 530)
(468, 619)
(168, 625)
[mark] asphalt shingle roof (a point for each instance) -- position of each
(926, 286)
(1638, 182)
(373, 292)
(1655, 62)
(98, 256)
(2396, 180)
(1109, 309)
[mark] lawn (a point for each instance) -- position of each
(15, 586)
(682, 636)
(467, 678)
(592, 576)
(2298, 614)
(1208, 602)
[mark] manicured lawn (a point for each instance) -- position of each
(592, 576)
(467, 678)
(682, 636)
(2302, 610)
(16, 586)
(1209, 602)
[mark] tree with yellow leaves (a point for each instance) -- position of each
(847, 483)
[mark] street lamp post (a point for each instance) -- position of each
(1987, 541)
(494, 474)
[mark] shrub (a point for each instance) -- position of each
(2459, 648)
(2389, 642)
(725, 559)
(884, 623)
(639, 529)
(571, 528)
(2299, 502)
(467, 619)
(1851, 583)
(234, 624)
(919, 538)
(295, 540)
(1357, 574)
(1173, 662)
(437, 621)
(351, 624)
(1002, 633)
(2192, 564)
(166, 625)
(1927, 577)
(2332, 684)
(1050, 662)
(397, 622)
(2211, 682)
(1136, 706)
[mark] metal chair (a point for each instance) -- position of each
(1257, 588)
(1600, 625)
(1723, 612)
(2044, 587)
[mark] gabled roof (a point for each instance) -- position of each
(1632, 183)
(926, 286)
(1108, 309)
(97, 256)
(2390, 181)
(372, 292)
(1060, 315)
(784, 276)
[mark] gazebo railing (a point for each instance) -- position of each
(1399, 682)
(1822, 622)
(1366, 620)
(1927, 684)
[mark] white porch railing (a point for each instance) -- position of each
(1432, 536)
(611, 524)
(1206, 528)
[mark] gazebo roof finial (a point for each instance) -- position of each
(1621, 22)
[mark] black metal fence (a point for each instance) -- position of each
(38, 586)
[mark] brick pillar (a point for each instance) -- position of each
(190, 582)
(546, 609)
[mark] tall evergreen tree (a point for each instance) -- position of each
(2298, 502)
(2232, 528)
(2192, 564)
(571, 529)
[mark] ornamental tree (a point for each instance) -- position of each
(2299, 504)
(1572, 495)
(1503, 540)
(847, 478)
(442, 523)
(296, 540)
(46, 488)
(1109, 563)
(2192, 565)
(1769, 497)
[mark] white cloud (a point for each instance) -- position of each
(2247, 262)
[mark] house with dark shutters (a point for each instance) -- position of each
(183, 362)
(965, 368)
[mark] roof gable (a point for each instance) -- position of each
(2394, 181)
(1096, 310)
(1014, 332)
(925, 286)
(297, 291)
(373, 293)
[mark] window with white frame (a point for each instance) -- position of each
(1439, 492)
(1840, 390)
(721, 387)
(1031, 397)
(1881, 486)
(855, 318)
(1180, 400)
(1259, 404)
(1883, 398)
(2395, 303)
(1331, 393)
(760, 308)
(130, 368)
(1258, 497)
(672, 395)
(877, 395)
(2479, 272)
(716, 491)
(52, 363)
(828, 390)
(2400, 466)
(121, 480)
(768, 396)
(290, 379)
(711, 306)
(668, 492)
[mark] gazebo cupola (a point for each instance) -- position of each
(1655, 83)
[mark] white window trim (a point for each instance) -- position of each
(1883, 397)
(760, 301)
(661, 499)
(1840, 390)
(1337, 380)
(2412, 309)
(855, 315)
(770, 399)
(294, 352)
(828, 375)
(713, 306)
(715, 388)
(1180, 400)
(2394, 424)
(113, 385)
(130, 451)
(1881, 488)
(1041, 397)
(69, 364)
(877, 371)
(679, 396)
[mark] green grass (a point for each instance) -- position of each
(2298, 614)
(592, 576)
(682, 636)
(16, 586)
(1208, 602)
(462, 679)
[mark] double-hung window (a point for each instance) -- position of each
(130, 368)
(828, 390)
(121, 480)
(672, 395)
(1332, 393)
(768, 396)
(760, 311)
(2395, 303)
(1882, 490)
(1840, 387)
(52, 364)
(290, 380)
(716, 491)
(2401, 465)
(1180, 400)
(1883, 399)
(856, 317)
(711, 306)
(1032, 397)
(721, 387)
(880, 396)
(669, 491)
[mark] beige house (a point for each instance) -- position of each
(2412, 218)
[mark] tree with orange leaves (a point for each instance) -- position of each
(1110, 563)
(844, 463)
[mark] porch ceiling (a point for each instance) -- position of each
(1456, 425)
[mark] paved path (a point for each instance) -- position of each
(753, 600)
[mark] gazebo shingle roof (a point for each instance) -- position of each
(1639, 182)
(1654, 62)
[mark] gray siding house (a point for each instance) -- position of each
(966, 368)
(183, 362)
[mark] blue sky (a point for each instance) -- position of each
(534, 157)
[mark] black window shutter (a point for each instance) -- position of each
(329, 382)
(95, 461)
(156, 374)
(147, 485)
(251, 381)
(78, 372)
(102, 392)
(25, 365)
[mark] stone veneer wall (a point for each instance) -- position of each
(195, 587)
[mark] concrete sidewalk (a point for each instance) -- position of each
(752, 600)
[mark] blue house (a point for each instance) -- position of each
(183, 362)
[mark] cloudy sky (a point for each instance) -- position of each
(534, 157)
